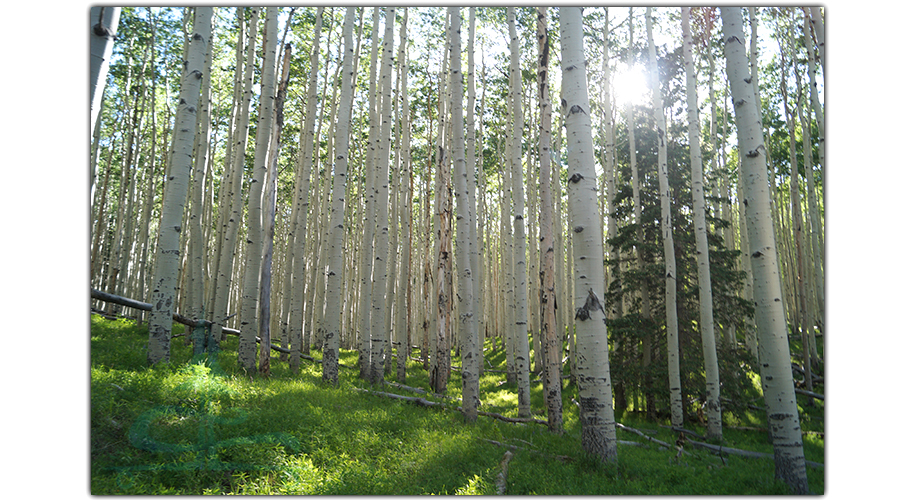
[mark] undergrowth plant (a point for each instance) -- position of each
(198, 425)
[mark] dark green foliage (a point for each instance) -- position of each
(631, 330)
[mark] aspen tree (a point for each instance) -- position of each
(668, 243)
(520, 270)
(334, 271)
(598, 433)
(774, 351)
(551, 372)
(475, 245)
(301, 204)
(165, 273)
(228, 254)
(382, 167)
(707, 332)
(251, 281)
(440, 371)
(797, 224)
(404, 296)
(365, 265)
(467, 320)
(104, 21)
(265, 292)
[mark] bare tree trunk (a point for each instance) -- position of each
(520, 270)
(250, 297)
(166, 273)
(777, 380)
(598, 434)
(675, 400)
(707, 334)
(551, 372)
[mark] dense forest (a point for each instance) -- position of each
(626, 204)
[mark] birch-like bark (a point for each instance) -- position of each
(467, 320)
(404, 299)
(269, 203)
(196, 243)
(368, 236)
(333, 273)
(228, 254)
(551, 372)
(251, 283)
(665, 199)
(475, 246)
(707, 332)
(774, 351)
(440, 372)
(301, 205)
(165, 274)
(382, 171)
(598, 433)
(104, 22)
(520, 270)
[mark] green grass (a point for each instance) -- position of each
(200, 427)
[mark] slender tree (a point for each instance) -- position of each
(665, 200)
(334, 271)
(549, 335)
(467, 321)
(520, 269)
(104, 23)
(165, 275)
(598, 432)
(707, 332)
(774, 351)
(251, 283)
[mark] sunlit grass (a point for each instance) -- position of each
(218, 432)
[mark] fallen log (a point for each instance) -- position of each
(124, 301)
(810, 394)
(425, 402)
(504, 470)
(648, 438)
(561, 458)
(744, 453)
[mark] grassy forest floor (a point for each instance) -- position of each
(197, 426)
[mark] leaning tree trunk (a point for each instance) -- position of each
(251, 282)
(520, 270)
(165, 274)
(707, 333)
(598, 432)
(104, 22)
(774, 351)
(550, 339)
(665, 201)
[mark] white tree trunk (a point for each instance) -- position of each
(707, 332)
(467, 321)
(668, 242)
(104, 23)
(520, 270)
(598, 433)
(551, 372)
(250, 289)
(382, 167)
(228, 254)
(774, 351)
(165, 275)
(333, 273)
